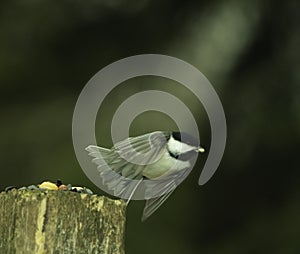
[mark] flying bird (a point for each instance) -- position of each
(160, 159)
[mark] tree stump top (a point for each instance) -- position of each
(34, 221)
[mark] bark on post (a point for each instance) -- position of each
(60, 222)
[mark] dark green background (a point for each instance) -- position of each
(249, 50)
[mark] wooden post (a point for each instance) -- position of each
(58, 222)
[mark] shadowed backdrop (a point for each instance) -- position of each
(249, 50)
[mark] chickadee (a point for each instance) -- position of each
(161, 160)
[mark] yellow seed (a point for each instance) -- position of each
(48, 186)
(201, 150)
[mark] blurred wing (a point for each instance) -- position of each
(116, 172)
(120, 185)
(161, 190)
(142, 150)
(153, 204)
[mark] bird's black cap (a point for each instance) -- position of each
(185, 138)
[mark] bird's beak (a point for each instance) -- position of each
(201, 150)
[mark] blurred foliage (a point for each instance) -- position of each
(249, 50)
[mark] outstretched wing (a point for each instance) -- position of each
(113, 180)
(142, 150)
(126, 161)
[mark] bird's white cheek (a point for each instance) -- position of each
(176, 147)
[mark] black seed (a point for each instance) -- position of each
(58, 182)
